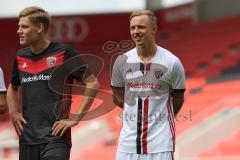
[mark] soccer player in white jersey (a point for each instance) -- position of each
(3, 92)
(148, 82)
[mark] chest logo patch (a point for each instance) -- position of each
(158, 73)
(51, 61)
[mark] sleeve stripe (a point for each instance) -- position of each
(179, 90)
(116, 87)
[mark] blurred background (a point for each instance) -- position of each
(204, 34)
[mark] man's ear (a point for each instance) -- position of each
(40, 27)
(155, 28)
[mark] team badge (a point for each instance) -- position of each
(158, 73)
(51, 61)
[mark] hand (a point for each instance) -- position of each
(17, 120)
(63, 125)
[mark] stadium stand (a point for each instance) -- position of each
(198, 45)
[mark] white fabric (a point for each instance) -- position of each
(152, 86)
(154, 156)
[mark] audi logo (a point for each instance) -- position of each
(68, 29)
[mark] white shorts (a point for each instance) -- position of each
(152, 156)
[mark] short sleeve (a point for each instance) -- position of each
(117, 77)
(178, 76)
(2, 84)
(82, 69)
(15, 80)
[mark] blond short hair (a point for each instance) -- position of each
(150, 14)
(36, 15)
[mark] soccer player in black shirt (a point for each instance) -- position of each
(44, 124)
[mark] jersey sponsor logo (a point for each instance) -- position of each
(51, 61)
(144, 85)
(35, 78)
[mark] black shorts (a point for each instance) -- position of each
(53, 150)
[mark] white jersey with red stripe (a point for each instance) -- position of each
(148, 120)
(2, 84)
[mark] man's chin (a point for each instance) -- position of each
(23, 43)
(139, 43)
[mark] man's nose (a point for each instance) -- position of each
(19, 31)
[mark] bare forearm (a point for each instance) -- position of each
(178, 99)
(118, 96)
(3, 103)
(118, 101)
(86, 103)
(12, 99)
(177, 107)
(88, 98)
(2, 109)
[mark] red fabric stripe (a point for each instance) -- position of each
(145, 126)
(171, 111)
(172, 131)
(148, 67)
(171, 123)
(34, 67)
